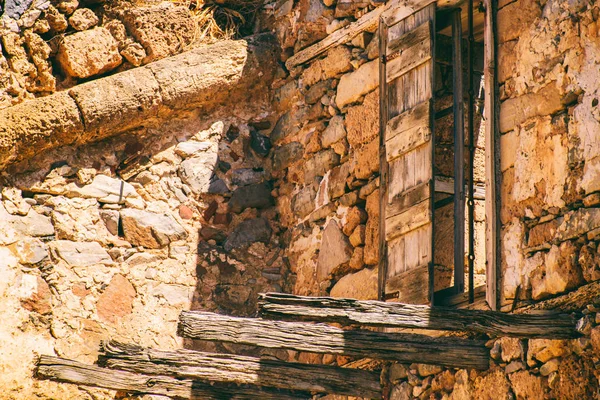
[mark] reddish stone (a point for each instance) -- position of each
(40, 301)
(222, 219)
(80, 290)
(210, 211)
(185, 212)
(117, 299)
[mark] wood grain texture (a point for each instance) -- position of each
(549, 325)
(229, 368)
(409, 55)
(408, 220)
(410, 286)
(321, 338)
(69, 371)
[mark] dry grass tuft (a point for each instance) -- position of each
(222, 19)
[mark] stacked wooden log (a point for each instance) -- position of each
(193, 374)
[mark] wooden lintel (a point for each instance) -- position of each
(367, 22)
(398, 315)
(234, 369)
(326, 339)
(69, 371)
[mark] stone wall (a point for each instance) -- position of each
(48, 46)
(550, 132)
(326, 154)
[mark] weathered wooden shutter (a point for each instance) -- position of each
(406, 151)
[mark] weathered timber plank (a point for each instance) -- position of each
(409, 198)
(415, 117)
(409, 170)
(228, 368)
(407, 131)
(570, 302)
(411, 286)
(409, 60)
(398, 315)
(410, 39)
(69, 371)
(408, 220)
(322, 338)
(412, 50)
(367, 22)
(396, 14)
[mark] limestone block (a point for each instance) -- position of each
(319, 164)
(335, 250)
(80, 254)
(527, 386)
(511, 349)
(16, 8)
(366, 160)
(32, 127)
(517, 110)
(577, 223)
(362, 121)
(116, 301)
(354, 217)
(103, 188)
(559, 273)
(151, 230)
(117, 103)
(82, 19)
(88, 53)
(287, 154)
(251, 196)
(197, 172)
(134, 53)
(163, 29)
(357, 237)
(334, 132)
(247, 176)
(337, 62)
(248, 232)
(303, 203)
(361, 285)
(357, 260)
(507, 60)
(337, 180)
(515, 18)
(358, 83)
(32, 224)
(589, 261)
(315, 92)
(30, 250)
(543, 350)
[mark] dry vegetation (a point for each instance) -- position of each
(222, 19)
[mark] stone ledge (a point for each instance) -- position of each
(96, 110)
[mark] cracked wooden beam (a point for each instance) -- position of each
(398, 315)
(326, 339)
(241, 370)
(74, 372)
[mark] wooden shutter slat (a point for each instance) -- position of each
(407, 154)
(407, 199)
(410, 285)
(410, 219)
(405, 173)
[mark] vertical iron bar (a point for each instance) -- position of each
(471, 134)
(383, 165)
(459, 158)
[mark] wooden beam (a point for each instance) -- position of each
(69, 371)
(228, 368)
(367, 22)
(322, 338)
(397, 315)
(391, 13)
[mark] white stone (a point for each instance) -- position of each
(81, 254)
(105, 189)
(358, 83)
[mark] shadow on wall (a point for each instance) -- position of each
(113, 239)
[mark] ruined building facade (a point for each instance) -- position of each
(144, 173)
